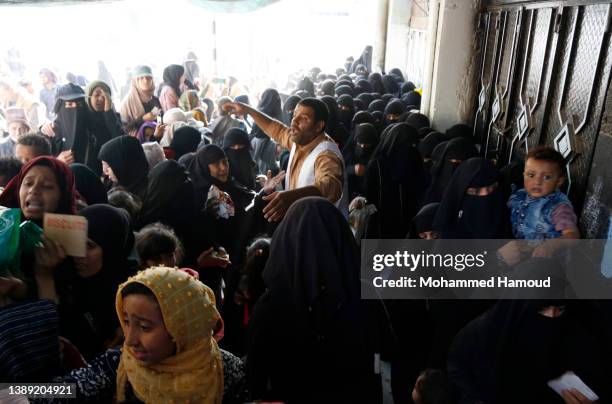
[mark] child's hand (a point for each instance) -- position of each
(544, 250)
(512, 252)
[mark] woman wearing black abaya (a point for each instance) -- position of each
(455, 151)
(472, 206)
(357, 158)
(346, 110)
(393, 111)
(307, 334)
(104, 122)
(422, 224)
(124, 163)
(390, 84)
(510, 353)
(377, 105)
(412, 98)
(362, 87)
(407, 87)
(264, 148)
(327, 88)
(426, 148)
(417, 120)
(394, 183)
(87, 290)
(306, 85)
(364, 59)
(397, 74)
(238, 150)
(334, 127)
(288, 108)
(376, 81)
(170, 200)
(88, 184)
(185, 140)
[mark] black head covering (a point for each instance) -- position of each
(376, 95)
(367, 98)
(307, 86)
(390, 84)
(187, 159)
(417, 120)
(243, 99)
(345, 82)
(241, 163)
(169, 198)
(429, 142)
(425, 131)
(395, 107)
(346, 116)
(466, 216)
(332, 120)
(325, 255)
(407, 87)
(379, 119)
(126, 157)
(344, 90)
(270, 104)
(397, 74)
(186, 140)
(359, 105)
(363, 86)
(438, 152)
(367, 134)
(327, 87)
(362, 117)
(377, 105)
(423, 221)
(412, 98)
(459, 130)
(88, 184)
(456, 149)
(376, 81)
(72, 125)
(302, 94)
(387, 98)
(172, 78)
(109, 227)
(289, 107)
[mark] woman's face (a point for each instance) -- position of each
(145, 83)
(39, 193)
(148, 133)
(108, 171)
(428, 235)
(145, 333)
(219, 170)
(91, 264)
(97, 99)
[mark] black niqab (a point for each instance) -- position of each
(126, 157)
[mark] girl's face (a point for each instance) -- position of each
(98, 99)
(39, 193)
(148, 133)
(145, 333)
(91, 264)
(428, 235)
(219, 170)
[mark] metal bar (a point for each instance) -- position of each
(515, 36)
(604, 35)
(529, 49)
(482, 67)
(544, 63)
(496, 5)
(567, 67)
(499, 50)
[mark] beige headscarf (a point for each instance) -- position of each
(131, 106)
(195, 373)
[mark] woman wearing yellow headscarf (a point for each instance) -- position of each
(169, 355)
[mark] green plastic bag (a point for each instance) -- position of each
(9, 241)
(30, 235)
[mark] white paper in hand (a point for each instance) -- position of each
(568, 381)
(68, 230)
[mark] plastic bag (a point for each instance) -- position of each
(225, 205)
(30, 235)
(9, 240)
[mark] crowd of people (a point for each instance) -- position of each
(222, 256)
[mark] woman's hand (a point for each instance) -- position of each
(159, 131)
(573, 396)
(149, 116)
(48, 257)
(211, 259)
(108, 103)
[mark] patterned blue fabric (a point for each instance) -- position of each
(29, 342)
(532, 217)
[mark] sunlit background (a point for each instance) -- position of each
(259, 47)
